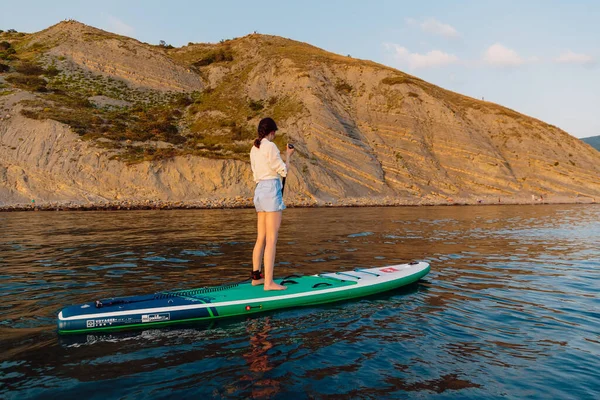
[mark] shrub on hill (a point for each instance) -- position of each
(4, 68)
(52, 71)
(220, 55)
(183, 101)
(164, 44)
(256, 105)
(8, 54)
(343, 87)
(397, 80)
(28, 82)
(27, 68)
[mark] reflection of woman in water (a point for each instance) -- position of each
(258, 359)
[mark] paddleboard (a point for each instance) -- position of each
(236, 299)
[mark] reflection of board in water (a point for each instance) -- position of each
(238, 299)
(195, 331)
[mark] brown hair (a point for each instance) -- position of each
(265, 127)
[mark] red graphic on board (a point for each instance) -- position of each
(389, 269)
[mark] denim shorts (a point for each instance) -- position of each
(268, 196)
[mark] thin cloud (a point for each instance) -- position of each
(434, 58)
(570, 57)
(499, 55)
(434, 27)
(117, 26)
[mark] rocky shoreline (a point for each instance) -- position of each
(247, 202)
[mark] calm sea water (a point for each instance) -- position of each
(511, 307)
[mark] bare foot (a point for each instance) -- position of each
(257, 282)
(275, 286)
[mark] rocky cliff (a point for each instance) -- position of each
(89, 116)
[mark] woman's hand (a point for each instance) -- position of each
(289, 151)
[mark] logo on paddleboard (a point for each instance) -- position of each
(94, 323)
(389, 269)
(156, 317)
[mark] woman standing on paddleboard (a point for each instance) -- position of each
(267, 167)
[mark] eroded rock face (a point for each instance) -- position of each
(366, 134)
(413, 140)
(46, 161)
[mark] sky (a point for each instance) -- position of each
(537, 57)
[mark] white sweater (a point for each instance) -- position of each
(266, 161)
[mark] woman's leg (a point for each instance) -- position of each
(272, 223)
(259, 247)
